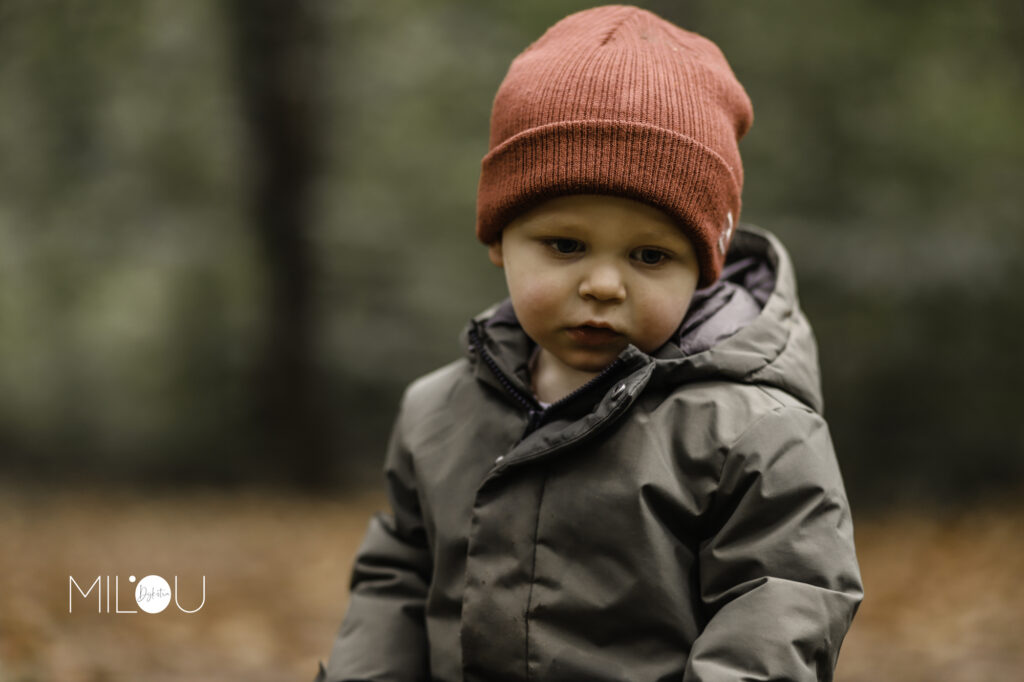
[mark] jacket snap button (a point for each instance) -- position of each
(500, 459)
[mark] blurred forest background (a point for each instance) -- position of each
(231, 232)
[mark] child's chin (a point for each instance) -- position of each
(591, 361)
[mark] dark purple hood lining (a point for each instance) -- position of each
(716, 312)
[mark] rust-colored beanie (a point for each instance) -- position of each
(616, 100)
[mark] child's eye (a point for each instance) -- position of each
(565, 246)
(650, 256)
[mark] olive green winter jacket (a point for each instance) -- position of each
(680, 517)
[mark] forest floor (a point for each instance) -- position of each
(945, 590)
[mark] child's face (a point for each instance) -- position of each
(589, 274)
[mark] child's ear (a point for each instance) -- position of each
(494, 252)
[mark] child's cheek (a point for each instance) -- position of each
(537, 310)
(540, 294)
(658, 319)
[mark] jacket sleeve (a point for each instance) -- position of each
(779, 579)
(383, 636)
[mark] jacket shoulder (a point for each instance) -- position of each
(705, 420)
(734, 404)
(426, 395)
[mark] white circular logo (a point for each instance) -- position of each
(153, 594)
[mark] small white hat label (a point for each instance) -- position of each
(723, 240)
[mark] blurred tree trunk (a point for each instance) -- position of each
(1012, 13)
(276, 54)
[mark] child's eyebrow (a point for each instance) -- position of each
(666, 235)
(557, 221)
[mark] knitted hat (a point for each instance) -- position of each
(616, 100)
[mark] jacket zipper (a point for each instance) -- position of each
(534, 412)
(528, 402)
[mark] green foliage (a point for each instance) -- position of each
(886, 152)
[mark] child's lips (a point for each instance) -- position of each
(590, 335)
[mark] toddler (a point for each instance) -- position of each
(627, 476)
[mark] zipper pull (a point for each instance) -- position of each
(533, 419)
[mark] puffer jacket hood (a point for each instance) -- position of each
(679, 517)
(747, 327)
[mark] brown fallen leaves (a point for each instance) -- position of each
(945, 592)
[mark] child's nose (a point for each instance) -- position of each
(603, 282)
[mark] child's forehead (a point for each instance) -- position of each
(569, 205)
(582, 212)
